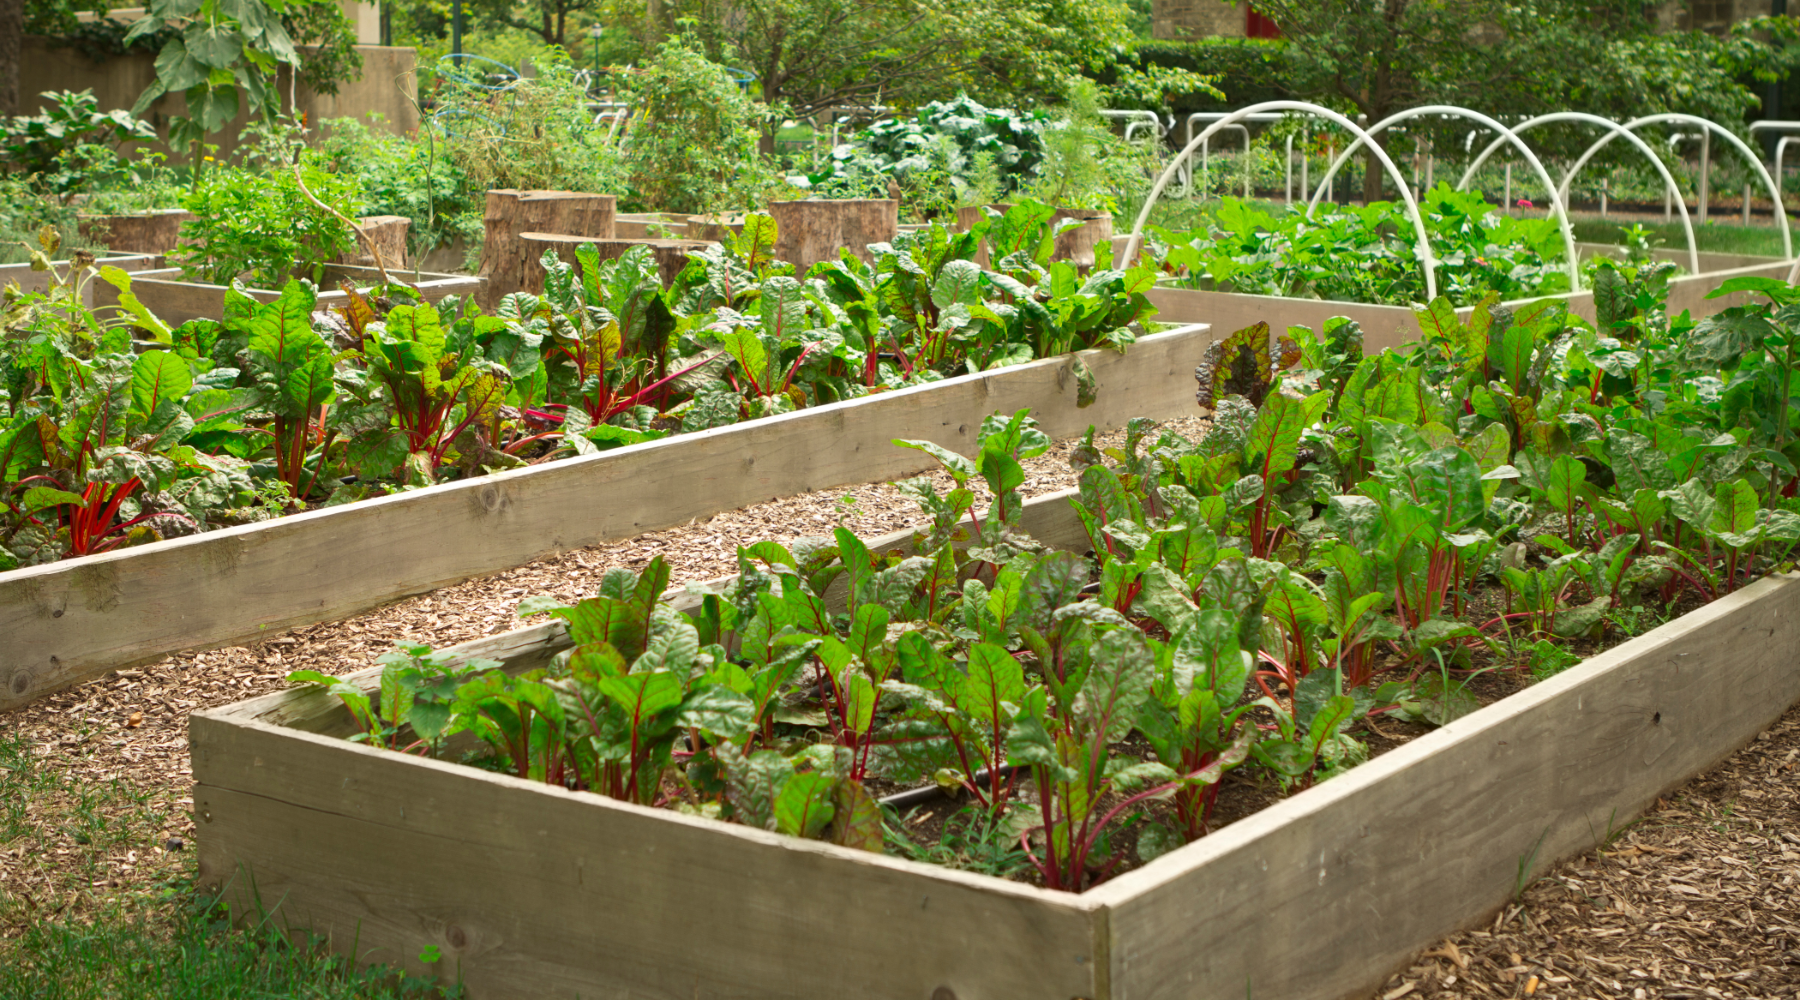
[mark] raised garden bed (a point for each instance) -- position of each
(1390, 326)
(77, 618)
(175, 301)
(27, 280)
(528, 889)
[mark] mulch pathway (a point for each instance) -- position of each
(1699, 898)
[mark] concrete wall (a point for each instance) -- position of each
(387, 86)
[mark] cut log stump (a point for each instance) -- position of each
(148, 232)
(510, 213)
(808, 232)
(388, 233)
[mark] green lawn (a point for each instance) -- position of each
(1715, 237)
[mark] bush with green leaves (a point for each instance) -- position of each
(1369, 253)
(530, 133)
(956, 153)
(948, 154)
(692, 145)
(71, 145)
(260, 226)
(415, 178)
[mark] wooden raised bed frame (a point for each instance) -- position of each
(68, 621)
(175, 301)
(1387, 327)
(530, 890)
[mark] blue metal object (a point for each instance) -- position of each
(742, 77)
(457, 69)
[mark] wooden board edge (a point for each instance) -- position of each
(1470, 728)
(207, 729)
(1326, 824)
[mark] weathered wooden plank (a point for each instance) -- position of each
(175, 301)
(1322, 896)
(68, 621)
(27, 280)
(1387, 327)
(534, 891)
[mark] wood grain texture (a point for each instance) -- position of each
(154, 232)
(808, 232)
(534, 891)
(650, 225)
(1323, 896)
(1388, 327)
(506, 262)
(68, 621)
(175, 301)
(388, 233)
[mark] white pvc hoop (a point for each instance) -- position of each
(1616, 129)
(1787, 240)
(1412, 207)
(1506, 134)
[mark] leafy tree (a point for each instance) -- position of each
(226, 56)
(1375, 57)
(12, 32)
(550, 20)
(810, 55)
(693, 145)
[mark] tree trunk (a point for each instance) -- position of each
(388, 233)
(504, 256)
(147, 232)
(1373, 175)
(12, 36)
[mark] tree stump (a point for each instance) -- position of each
(808, 232)
(148, 232)
(671, 255)
(510, 213)
(1075, 246)
(388, 233)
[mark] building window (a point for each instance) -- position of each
(1258, 26)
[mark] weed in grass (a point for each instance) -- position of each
(182, 945)
(974, 840)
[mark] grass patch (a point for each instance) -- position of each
(97, 900)
(1710, 237)
(182, 945)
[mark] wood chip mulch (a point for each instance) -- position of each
(1698, 899)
